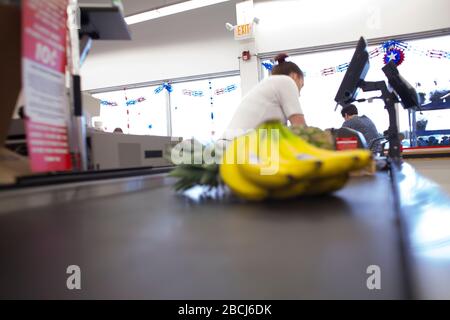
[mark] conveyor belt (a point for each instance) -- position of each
(151, 243)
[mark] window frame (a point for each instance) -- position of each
(187, 79)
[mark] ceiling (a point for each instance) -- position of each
(137, 6)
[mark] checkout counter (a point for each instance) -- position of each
(133, 237)
(106, 150)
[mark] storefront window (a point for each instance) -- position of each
(113, 113)
(138, 111)
(199, 109)
(147, 111)
(203, 109)
(424, 67)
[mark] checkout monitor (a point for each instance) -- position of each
(356, 72)
(406, 92)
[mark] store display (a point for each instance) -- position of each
(438, 95)
(420, 133)
(433, 141)
(43, 85)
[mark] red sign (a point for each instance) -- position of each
(48, 147)
(346, 143)
(43, 80)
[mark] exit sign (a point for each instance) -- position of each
(243, 31)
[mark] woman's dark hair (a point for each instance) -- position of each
(350, 110)
(285, 67)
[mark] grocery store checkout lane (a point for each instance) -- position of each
(156, 244)
(132, 236)
(150, 242)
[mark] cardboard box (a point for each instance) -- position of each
(12, 166)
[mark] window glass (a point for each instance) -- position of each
(227, 97)
(190, 107)
(427, 74)
(138, 111)
(203, 109)
(113, 113)
(147, 111)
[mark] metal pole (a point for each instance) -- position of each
(78, 120)
(414, 128)
(169, 114)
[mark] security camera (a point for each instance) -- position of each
(256, 20)
(229, 26)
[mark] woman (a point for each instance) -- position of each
(275, 98)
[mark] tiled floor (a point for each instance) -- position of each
(437, 169)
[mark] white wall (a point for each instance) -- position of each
(292, 24)
(186, 44)
(196, 42)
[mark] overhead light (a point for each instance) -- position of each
(169, 10)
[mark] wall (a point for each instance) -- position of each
(196, 42)
(190, 43)
(289, 24)
(91, 108)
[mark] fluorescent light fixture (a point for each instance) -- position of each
(169, 10)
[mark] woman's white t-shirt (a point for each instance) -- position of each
(275, 98)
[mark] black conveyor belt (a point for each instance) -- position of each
(155, 244)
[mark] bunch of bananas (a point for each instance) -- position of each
(273, 162)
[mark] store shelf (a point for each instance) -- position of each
(436, 106)
(432, 132)
(432, 106)
(426, 152)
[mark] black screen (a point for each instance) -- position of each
(357, 70)
(407, 93)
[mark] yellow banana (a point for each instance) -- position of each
(280, 165)
(269, 168)
(311, 187)
(358, 155)
(294, 190)
(326, 185)
(333, 162)
(231, 176)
